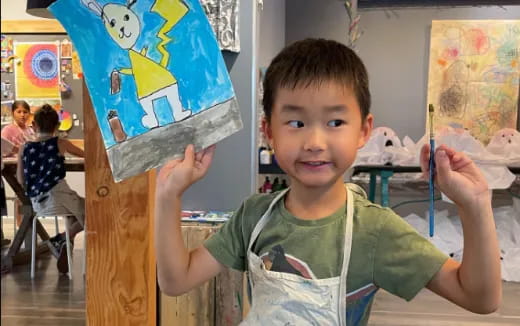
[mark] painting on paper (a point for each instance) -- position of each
(155, 75)
(66, 49)
(7, 54)
(77, 71)
(37, 72)
(474, 75)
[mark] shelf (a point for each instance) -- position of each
(269, 169)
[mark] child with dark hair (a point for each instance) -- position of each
(317, 253)
(18, 132)
(41, 170)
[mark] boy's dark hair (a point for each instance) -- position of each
(47, 119)
(23, 104)
(309, 63)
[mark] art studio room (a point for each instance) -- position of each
(256, 162)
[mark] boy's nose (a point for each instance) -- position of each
(314, 141)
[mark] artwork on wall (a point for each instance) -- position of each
(77, 72)
(474, 75)
(66, 49)
(223, 17)
(7, 54)
(37, 72)
(155, 75)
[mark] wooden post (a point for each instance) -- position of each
(121, 270)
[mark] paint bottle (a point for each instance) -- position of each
(116, 126)
(276, 185)
(267, 187)
(265, 157)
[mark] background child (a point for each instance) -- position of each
(14, 136)
(18, 132)
(41, 169)
(318, 252)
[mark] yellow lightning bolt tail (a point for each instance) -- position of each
(172, 11)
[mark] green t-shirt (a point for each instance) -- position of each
(386, 252)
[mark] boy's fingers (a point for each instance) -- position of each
(208, 156)
(189, 156)
(198, 156)
(442, 164)
(425, 160)
(461, 161)
(449, 151)
(167, 168)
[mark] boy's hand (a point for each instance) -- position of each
(455, 175)
(178, 175)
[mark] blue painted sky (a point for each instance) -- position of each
(195, 60)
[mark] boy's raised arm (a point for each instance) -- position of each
(179, 269)
(475, 284)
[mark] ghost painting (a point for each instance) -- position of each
(155, 75)
(505, 143)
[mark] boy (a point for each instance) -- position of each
(41, 170)
(317, 253)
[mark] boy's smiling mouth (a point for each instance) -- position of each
(315, 164)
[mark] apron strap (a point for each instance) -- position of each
(347, 247)
(264, 219)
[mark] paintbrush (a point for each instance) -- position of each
(432, 168)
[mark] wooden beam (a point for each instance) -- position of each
(33, 26)
(121, 277)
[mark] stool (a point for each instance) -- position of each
(67, 240)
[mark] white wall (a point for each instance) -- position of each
(272, 30)
(15, 10)
(394, 47)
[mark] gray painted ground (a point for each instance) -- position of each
(159, 145)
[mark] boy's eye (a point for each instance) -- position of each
(295, 124)
(126, 18)
(112, 22)
(335, 123)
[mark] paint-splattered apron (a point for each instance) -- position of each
(288, 299)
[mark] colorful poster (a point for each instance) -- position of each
(6, 64)
(155, 75)
(77, 72)
(37, 72)
(66, 49)
(474, 75)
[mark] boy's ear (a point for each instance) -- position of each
(266, 130)
(366, 130)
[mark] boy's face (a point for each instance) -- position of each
(20, 116)
(316, 132)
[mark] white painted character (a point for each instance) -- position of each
(152, 79)
(505, 142)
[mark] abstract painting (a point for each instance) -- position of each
(37, 72)
(474, 75)
(155, 75)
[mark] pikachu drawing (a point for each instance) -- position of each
(152, 79)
